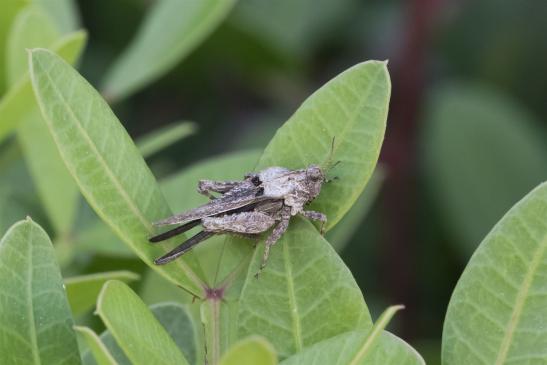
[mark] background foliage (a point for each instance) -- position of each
(464, 142)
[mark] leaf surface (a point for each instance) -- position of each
(82, 291)
(161, 138)
(35, 320)
(351, 108)
(136, 330)
(96, 347)
(342, 349)
(250, 351)
(56, 188)
(10, 9)
(305, 295)
(498, 311)
(169, 33)
(14, 104)
(105, 163)
(482, 155)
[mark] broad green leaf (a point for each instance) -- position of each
(180, 191)
(105, 163)
(178, 324)
(172, 29)
(10, 9)
(82, 291)
(498, 311)
(99, 239)
(35, 321)
(293, 28)
(345, 229)
(59, 194)
(156, 289)
(31, 28)
(15, 104)
(56, 188)
(482, 154)
(342, 350)
(305, 295)
(250, 351)
(96, 347)
(18, 197)
(163, 137)
(140, 335)
(63, 12)
(352, 109)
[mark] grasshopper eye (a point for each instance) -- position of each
(256, 180)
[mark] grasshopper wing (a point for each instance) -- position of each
(226, 203)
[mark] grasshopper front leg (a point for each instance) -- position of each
(316, 216)
(206, 186)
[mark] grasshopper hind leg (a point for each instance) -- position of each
(183, 248)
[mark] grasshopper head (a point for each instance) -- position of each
(314, 180)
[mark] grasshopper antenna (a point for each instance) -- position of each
(328, 163)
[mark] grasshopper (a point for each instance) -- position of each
(248, 207)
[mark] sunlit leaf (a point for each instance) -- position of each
(161, 138)
(105, 163)
(345, 229)
(35, 320)
(82, 291)
(15, 103)
(351, 109)
(32, 28)
(140, 335)
(10, 9)
(305, 295)
(172, 29)
(57, 190)
(498, 311)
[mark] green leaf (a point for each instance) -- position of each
(352, 108)
(498, 311)
(175, 319)
(105, 163)
(340, 235)
(342, 350)
(15, 104)
(10, 9)
(140, 335)
(169, 33)
(97, 238)
(305, 295)
(294, 28)
(482, 155)
(360, 347)
(96, 347)
(82, 291)
(250, 351)
(163, 137)
(35, 321)
(31, 28)
(63, 12)
(57, 191)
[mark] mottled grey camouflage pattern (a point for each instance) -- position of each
(249, 207)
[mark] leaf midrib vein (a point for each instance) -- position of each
(30, 304)
(521, 299)
(293, 307)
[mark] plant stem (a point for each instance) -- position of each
(210, 316)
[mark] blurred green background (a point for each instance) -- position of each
(465, 138)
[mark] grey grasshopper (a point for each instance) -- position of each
(248, 207)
